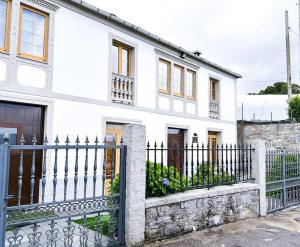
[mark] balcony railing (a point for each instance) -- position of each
(214, 109)
(122, 89)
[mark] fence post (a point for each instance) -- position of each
(259, 172)
(134, 137)
(4, 166)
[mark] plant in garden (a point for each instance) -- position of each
(163, 181)
(294, 108)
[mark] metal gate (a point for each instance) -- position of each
(282, 179)
(81, 197)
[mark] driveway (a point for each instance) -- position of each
(281, 229)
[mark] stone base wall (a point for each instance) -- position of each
(276, 135)
(199, 209)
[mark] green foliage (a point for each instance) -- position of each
(294, 108)
(91, 223)
(208, 177)
(155, 186)
(280, 88)
(114, 186)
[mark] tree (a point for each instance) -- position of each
(294, 108)
(279, 88)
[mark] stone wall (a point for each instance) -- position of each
(200, 209)
(276, 135)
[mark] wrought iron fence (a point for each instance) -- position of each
(176, 169)
(78, 199)
(282, 179)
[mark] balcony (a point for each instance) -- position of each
(214, 109)
(122, 89)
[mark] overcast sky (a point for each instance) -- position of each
(246, 36)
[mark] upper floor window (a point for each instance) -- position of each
(213, 89)
(191, 84)
(33, 34)
(121, 59)
(164, 76)
(178, 88)
(214, 104)
(5, 11)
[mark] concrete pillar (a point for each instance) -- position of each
(259, 171)
(135, 138)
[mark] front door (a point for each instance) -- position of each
(17, 119)
(212, 142)
(112, 156)
(176, 147)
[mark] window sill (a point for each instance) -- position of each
(164, 92)
(32, 58)
(178, 95)
(191, 98)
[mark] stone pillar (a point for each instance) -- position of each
(135, 138)
(259, 172)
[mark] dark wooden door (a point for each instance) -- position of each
(18, 119)
(176, 147)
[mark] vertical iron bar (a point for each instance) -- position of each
(44, 169)
(213, 163)
(113, 163)
(202, 168)
(104, 166)
(175, 161)
(239, 154)
(155, 163)
(243, 161)
(247, 162)
(148, 169)
(162, 159)
(218, 165)
(192, 161)
(235, 163)
(55, 170)
(86, 166)
(20, 172)
(95, 167)
(66, 169)
(186, 167)
(208, 164)
(222, 161)
(231, 163)
(226, 158)
(32, 171)
(198, 170)
(76, 168)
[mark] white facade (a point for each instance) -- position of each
(74, 84)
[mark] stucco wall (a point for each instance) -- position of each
(276, 135)
(200, 209)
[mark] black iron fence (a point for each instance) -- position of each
(172, 169)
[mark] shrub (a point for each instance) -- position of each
(162, 185)
(294, 108)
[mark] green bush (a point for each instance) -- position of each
(207, 177)
(159, 185)
(294, 108)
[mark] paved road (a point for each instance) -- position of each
(281, 229)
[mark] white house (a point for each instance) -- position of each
(67, 67)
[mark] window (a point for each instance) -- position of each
(33, 34)
(121, 59)
(191, 84)
(213, 89)
(5, 10)
(178, 81)
(164, 76)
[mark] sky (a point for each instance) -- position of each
(246, 36)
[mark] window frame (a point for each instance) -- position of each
(46, 34)
(194, 87)
(216, 88)
(5, 49)
(122, 46)
(168, 91)
(182, 82)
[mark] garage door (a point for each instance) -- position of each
(18, 119)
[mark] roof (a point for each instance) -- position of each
(115, 19)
